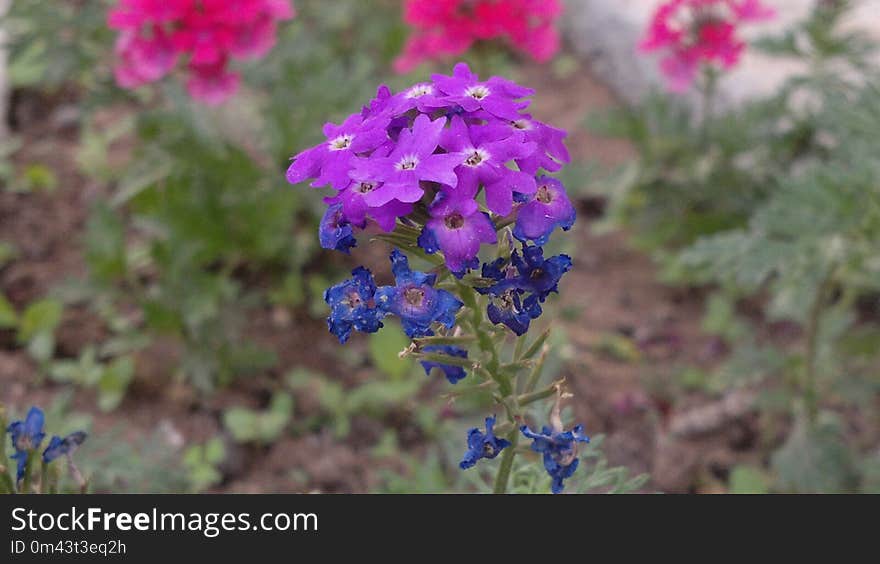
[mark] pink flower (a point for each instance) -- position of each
(692, 34)
(155, 34)
(445, 28)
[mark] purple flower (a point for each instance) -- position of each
(543, 212)
(457, 228)
(415, 300)
(330, 162)
(482, 445)
(352, 305)
(559, 450)
(497, 96)
(335, 232)
(410, 162)
(485, 151)
(452, 373)
(424, 97)
(356, 208)
(551, 151)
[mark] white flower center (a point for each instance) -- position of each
(419, 90)
(475, 157)
(521, 124)
(477, 92)
(341, 142)
(408, 162)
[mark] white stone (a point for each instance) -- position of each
(608, 31)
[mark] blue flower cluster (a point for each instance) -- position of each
(28, 434)
(560, 451)
(521, 285)
(358, 304)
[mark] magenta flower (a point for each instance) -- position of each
(692, 34)
(155, 34)
(443, 28)
(143, 59)
(457, 228)
(411, 162)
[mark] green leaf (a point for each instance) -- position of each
(748, 480)
(215, 452)
(247, 425)
(39, 318)
(385, 347)
(8, 316)
(114, 383)
(815, 459)
(7, 253)
(105, 244)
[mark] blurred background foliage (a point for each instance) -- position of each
(196, 234)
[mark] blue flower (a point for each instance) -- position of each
(335, 231)
(539, 275)
(352, 305)
(482, 445)
(453, 373)
(62, 447)
(559, 450)
(514, 312)
(26, 437)
(521, 285)
(415, 300)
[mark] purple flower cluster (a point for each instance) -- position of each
(460, 149)
(445, 165)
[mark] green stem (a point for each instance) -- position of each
(28, 472)
(532, 397)
(708, 90)
(44, 477)
(814, 321)
(441, 340)
(503, 476)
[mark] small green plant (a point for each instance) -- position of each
(201, 462)
(36, 327)
(110, 379)
(260, 426)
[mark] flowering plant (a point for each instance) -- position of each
(699, 33)
(445, 28)
(443, 170)
(154, 34)
(26, 436)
